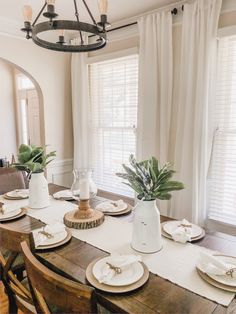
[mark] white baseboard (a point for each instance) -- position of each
(60, 172)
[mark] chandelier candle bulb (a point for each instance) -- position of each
(27, 13)
(51, 2)
(62, 32)
(61, 37)
(103, 5)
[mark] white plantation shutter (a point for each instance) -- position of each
(114, 101)
(223, 167)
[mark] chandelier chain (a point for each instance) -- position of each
(77, 17)
(40, 12)
(89, 12)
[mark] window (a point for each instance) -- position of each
(23, 82)
(24, 121)
(223, 167)
(114, 102)
(28, 110)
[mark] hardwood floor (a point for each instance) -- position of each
(4, 301)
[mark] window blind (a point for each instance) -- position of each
(114, 102)
(223, 168)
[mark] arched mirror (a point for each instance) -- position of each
(21, 110)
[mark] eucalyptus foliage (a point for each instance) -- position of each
(33, 159)
(149, 180)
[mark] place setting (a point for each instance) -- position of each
(182, 231)
(117, 273)
(114, 208)
(218, 270)
(10, 212)
(51, 236)
(18, 194)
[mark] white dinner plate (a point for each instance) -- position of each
(12, 210)
(58, 237)
(110, 207)
(129, 275)
(20, 193)
(171, 226)
(225, 280)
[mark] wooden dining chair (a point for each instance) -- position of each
(18, 295)
(11, 179)
(53, 293)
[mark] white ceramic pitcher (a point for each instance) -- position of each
(146, 237)
(38, 191)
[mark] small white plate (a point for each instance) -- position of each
(110, 207)
(225, 280)
(58, 237)
(13, 210)
(129, 275)
(171, 226)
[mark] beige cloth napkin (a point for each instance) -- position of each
(182, 234)
(214, 266)
(121, 261)
(53, 229)
(8, 208)
(111, 206)
(63, 194)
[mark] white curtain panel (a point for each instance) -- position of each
(155, 85)
(80, 110)
(193, 136)
(155, 88)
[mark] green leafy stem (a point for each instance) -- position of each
(148, 180)
(33, 159)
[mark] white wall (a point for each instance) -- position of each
(52, 72)
(7, 112)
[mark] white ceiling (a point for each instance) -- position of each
(118, 9)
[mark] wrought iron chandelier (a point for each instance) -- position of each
(96, 29)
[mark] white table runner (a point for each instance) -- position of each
(176, 262)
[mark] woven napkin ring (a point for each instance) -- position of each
(230, 272)
(114, 204)
(185, 225)
(117, 270)
(46, 234)
(1, 208)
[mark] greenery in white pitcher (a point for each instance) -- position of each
(150, 181)
(33, 159)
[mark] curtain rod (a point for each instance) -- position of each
(173, 12)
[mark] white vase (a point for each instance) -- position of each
(146, 236)
(38, 191)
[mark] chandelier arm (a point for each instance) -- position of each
(77, 17)
(40, 12)
(89, 12)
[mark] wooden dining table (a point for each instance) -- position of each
(156, 296)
